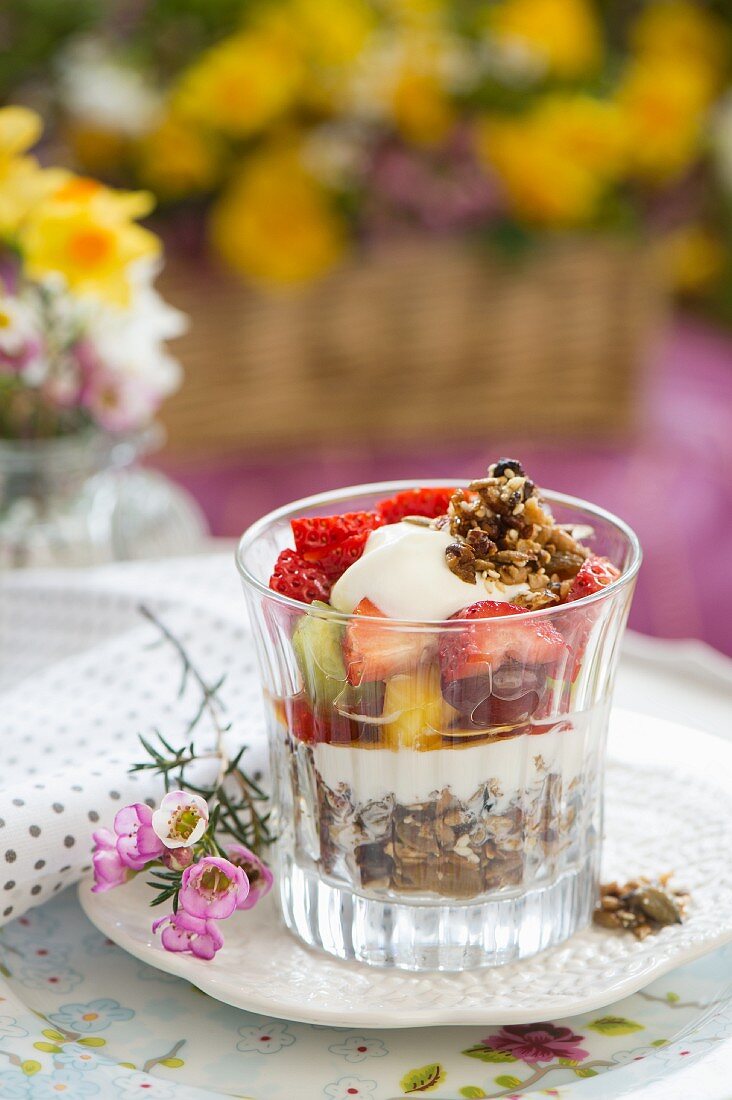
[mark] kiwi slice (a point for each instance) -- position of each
(318, 646)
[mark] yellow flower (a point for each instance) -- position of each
(416, 11)
(563, 35)
(242, 84)
(665, 108)
(19, 129)
(589, 131)
(109, 202)
(178, 158)
(332, 31)
(420, 106)
(695, 258)
(556, 161)
(683, 33)
(84, 233)
(275, 223)
(23, 182)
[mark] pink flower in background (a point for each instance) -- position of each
(213, 888)
(137, 842)
(444, 190)
(181, 819)
(119, 402)
(258, 874)
(109, 870)
(537, 1042)
(185, 932)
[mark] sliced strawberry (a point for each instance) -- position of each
(484, 646)
(300, 718)
(299, 579)
(414, 502)
(318, 725)
(594, 574)
(317, 536)
(374, 650)
(497, 673)
(338, 558)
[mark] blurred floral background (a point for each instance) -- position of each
(406, 234)
(295, 130)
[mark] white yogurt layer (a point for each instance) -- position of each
(403, 572)
(514, 764)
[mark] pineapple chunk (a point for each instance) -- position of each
(418, 702)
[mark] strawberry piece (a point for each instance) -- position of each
(481, 646)
(374, 650)
(594, 574)
(299, 579)
(495, 674)
(317, 536)
(335, 562)
(414, 502)
(334, 542)
(300, 718)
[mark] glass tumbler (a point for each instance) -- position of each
(428, 823)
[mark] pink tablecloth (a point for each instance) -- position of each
(672, 482)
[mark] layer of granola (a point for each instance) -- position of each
(442, 829)
(447, 846)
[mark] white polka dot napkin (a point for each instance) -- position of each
(80, 679)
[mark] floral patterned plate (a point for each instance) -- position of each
(653, 765)
(81, 1018)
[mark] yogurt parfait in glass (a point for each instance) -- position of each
(437, 664)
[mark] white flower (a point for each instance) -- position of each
(18, 325)
(130, 342)
(357, 1047)
(102, 90)
(349, 1088)
(181, 819)
(336, 152)
(267, 1039)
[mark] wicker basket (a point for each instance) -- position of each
(426, 340)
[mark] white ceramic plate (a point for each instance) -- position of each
(83, 1013)
(669, 808)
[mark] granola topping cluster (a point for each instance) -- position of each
(504, 532)
(640, 906)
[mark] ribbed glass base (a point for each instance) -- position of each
(509, 926)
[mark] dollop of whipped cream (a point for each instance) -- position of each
(403, 571)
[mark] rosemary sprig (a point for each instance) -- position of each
(235, 800)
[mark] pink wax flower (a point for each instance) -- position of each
(184, 932)
(181, 820)
(109, 870)
(213, 888)
(537, 1042)
(258, 874)
(137, 841)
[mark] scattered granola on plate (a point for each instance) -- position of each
(641, 906)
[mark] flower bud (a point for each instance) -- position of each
(177, 859)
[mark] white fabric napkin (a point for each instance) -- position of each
(79, 682)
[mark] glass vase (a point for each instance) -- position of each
(80, 500)
(430, 825)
